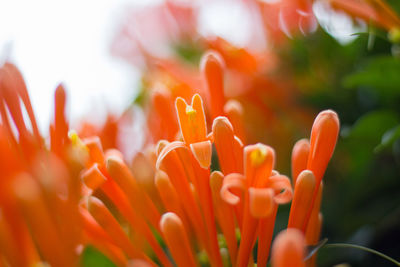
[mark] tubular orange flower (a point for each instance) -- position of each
(38, 190)
(262, 188)
(303, 194)
(313, 236)
(265, 232)
(59, 131)
(44, 231)
(177, 240)
(323, 139)
(314, 226)
(288, 249)
(257, 190)
(173, 166)
(113, 177)
(96, 235)
(170, 197)
(192, 120)
(226, 142)
(193, 210)
(162, 103)
(248, 194)
(300, 154)
(236, 58)
(15, 97)
(193, 127)
(112, 227)
(234, 111)
(117, 169)
(224, 214)
(212, 67)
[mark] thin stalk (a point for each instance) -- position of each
(343, 245)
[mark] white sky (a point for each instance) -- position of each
(67, 41)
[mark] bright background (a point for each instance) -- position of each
(69, 42)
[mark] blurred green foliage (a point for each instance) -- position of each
(361, 202)
(93, 258)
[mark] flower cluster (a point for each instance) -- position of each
(246, 77)
(200, 198)
(201, 191)
(40, 189)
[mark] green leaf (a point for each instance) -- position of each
(395, 5)
(311, 250)
(379, 73)
(388, 139)
(190, 52)
(373, 125)
(364, 136)
(93, 258)
(140, 97)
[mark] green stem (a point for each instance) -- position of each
(342, 245)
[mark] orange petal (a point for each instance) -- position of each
(225, 214)
(288, 249)
(259, 162)
(261, 202)
(265, 233)
(313, 235)
(23, 94)
(192, 120)
(60, 124)
(162, 103)
(166, 149)
(303, 194)
(169, 196)
(248, 234)
(177, 240)
(40, 221)
(95, 148)
(316, 206)
(10, 243)
(114, 153)
(234, 111)
(173, 165)
(11, 83)
(200, 118)
(121, 174)
(230, 152)
(300, 154)
(212, 67)
(283, 188)
(232, 181)
(160, 146)
(202, 153)
(93, 178)
(202, 186)
(324, 135)
(107, 221)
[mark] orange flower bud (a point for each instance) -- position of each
(288, 249)
(177, 240)
(212, 66)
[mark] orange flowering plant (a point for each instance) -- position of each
(202, 190)
(56, 200)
